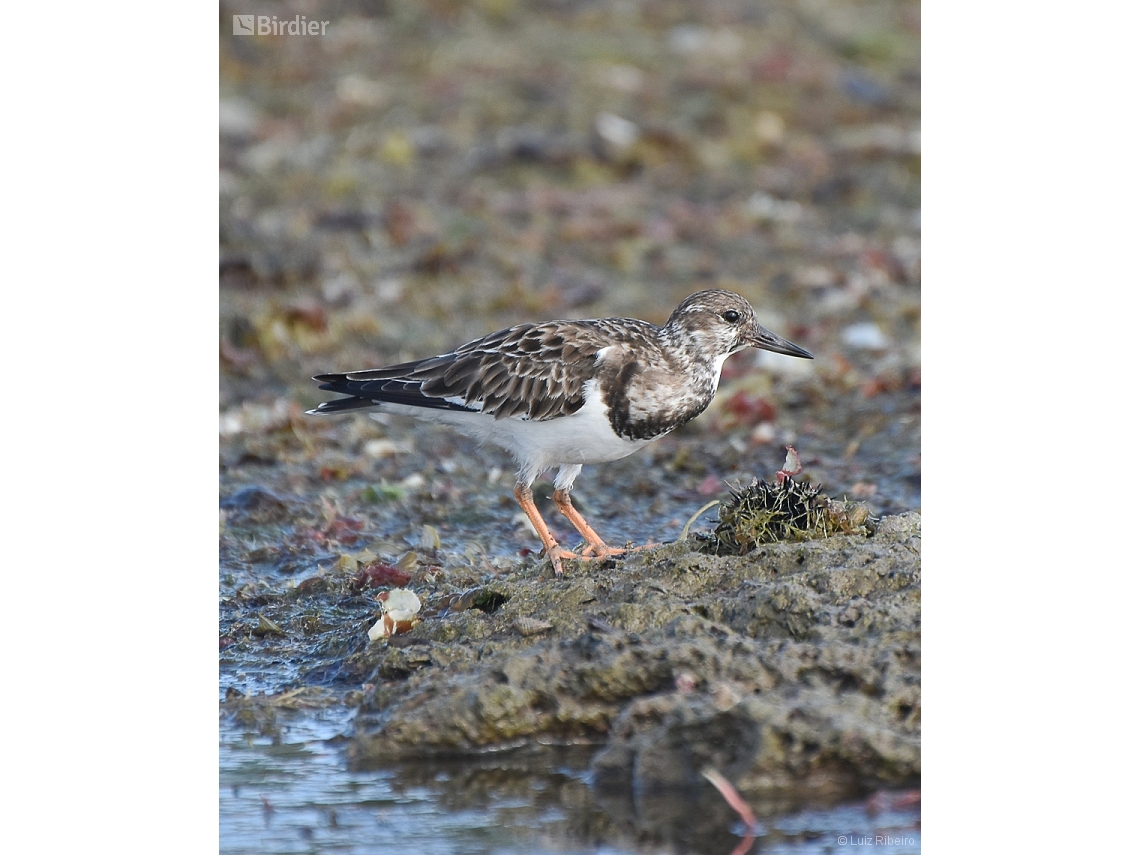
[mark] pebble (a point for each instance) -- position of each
(888, 139)
(764, 207)
(769, 127)
(764, 433)
(618, 132)
(237, 118)
(379, 448)
(624, 78)
(691, 39)
(865, 336)
(862, 87)
(359, 90)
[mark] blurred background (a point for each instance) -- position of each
(428, 171)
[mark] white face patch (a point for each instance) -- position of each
(718, 364)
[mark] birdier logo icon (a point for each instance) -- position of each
(268, 25)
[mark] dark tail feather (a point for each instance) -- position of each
(368, 393)
(341, 405)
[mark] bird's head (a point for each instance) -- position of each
(721, 323)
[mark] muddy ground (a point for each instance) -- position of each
(429, 172)
(794, 667)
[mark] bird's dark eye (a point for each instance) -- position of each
(732, 316)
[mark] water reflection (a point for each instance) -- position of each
(294, 793)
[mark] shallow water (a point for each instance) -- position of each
(295, 793)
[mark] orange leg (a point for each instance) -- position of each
(595, 546)
(554, 552)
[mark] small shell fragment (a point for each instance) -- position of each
(792, 465)
(400, 607)
(400, 603)
(386, 627)
(429, 537)
(531, 626)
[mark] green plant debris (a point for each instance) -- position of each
(376, 494)
(788, 511)
(267, 627)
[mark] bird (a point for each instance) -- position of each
(563, 394)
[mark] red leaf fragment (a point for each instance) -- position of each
(379, 575)
(399, 222)
(710, 486)
(343, 529)
(889, 381)
(309, 313)
(884, 800)
(334, 473)
(750, 409)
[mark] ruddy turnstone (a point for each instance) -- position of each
(566, 393)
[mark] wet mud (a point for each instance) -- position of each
(793, 669)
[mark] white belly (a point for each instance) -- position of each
(584, 437)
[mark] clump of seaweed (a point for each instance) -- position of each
(788, 510)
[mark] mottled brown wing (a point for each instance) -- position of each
(535, 371)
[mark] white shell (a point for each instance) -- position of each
(400, 604)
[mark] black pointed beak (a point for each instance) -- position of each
(768, 340)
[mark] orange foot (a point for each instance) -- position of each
(593, 552)
(600, 550)
(595, 548)
(558, 553)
